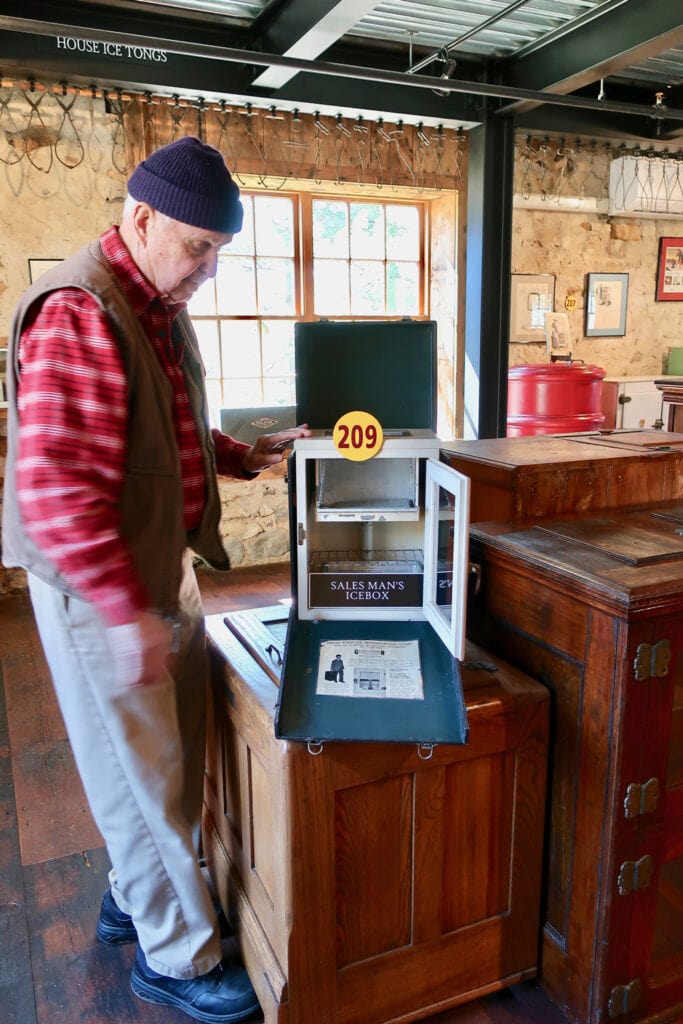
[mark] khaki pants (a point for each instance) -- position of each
(140, 754)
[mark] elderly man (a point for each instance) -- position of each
(110, 484)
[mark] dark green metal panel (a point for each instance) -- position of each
(387, 368)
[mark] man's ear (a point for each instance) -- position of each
(142, 218)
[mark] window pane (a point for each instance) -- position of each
(274, 226)
(277, 348)
(278, 391)
(203, 302)
(240, 394)
(207, 336)
(236, 285)
(403, 233)
(243, 242)
(331, 287)
(330, 228)
(240, 348)
(275, 280)
(403, 288)
(367, 286)
(213, 394)
(367, 231)
(367, 262)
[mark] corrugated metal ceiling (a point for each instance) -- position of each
(437, 23)
(244, 12)
(480, 29)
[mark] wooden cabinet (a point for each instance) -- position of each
(549, 475)
(593, 606)
(374, 882)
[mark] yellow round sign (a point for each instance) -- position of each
(357, 436)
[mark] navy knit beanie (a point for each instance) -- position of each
(188, 181)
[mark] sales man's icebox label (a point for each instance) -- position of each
(363, 590)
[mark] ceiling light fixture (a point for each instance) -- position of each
(659, 111)
(449, 66)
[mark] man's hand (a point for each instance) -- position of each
(269, 449)
(140, 649)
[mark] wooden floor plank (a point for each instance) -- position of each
(77, 978)
(53, 815)
(16, 987)
(52, 969)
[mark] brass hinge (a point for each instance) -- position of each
(635, 874)
(624, 998)
(641, 798)
(652, 660)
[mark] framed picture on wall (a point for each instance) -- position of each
(38, 267)
(670, 270)
(557, 337)
(606, 298)
(531, 297)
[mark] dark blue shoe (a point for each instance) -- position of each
(222, 996)
(116, 928)
(113, 926)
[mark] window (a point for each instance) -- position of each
(366, 259)
(244, 317)
(300, 258)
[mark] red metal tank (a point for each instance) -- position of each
(554, 398)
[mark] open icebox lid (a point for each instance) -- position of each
(373, 681)
(385, 367)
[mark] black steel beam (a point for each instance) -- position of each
(282, 26)
(623, 36)
(195, 77)
(192, 77)
(490, 165)
(563, 121)
(348, 93)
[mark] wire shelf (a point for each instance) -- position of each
(377, 561)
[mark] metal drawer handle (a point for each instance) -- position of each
(274, 653)
(475, 571)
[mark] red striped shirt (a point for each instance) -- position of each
(73, 420)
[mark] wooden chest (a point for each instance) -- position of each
(549, 475)
(593, 607)
(374, 882)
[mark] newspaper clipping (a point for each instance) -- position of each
(370, 668)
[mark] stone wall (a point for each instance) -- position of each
(561, 227)
(255, 518)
